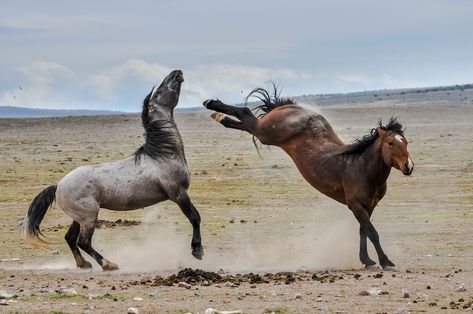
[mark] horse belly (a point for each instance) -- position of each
(137, 197)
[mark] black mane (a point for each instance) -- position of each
(160, 135)
(270, 101)
(360, 145)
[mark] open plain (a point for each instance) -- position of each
(272, 243)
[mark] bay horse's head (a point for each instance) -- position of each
(394, 146)
(166, 95)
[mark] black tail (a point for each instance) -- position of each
(269, 101)
(40, 204)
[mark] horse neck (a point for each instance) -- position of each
(162, 136)
(372, 160)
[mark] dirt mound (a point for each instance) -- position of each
(102, 224)
(205, 278)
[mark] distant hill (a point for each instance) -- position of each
(18, 112)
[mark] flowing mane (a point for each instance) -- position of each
(360, 145)
(270, 101)
(160, 135)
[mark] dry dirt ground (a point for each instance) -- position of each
(273, 244)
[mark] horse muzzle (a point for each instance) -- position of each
(408, 167)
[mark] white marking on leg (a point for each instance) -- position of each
(398, 137)
(218, 116)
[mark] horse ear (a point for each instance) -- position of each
(381, 132)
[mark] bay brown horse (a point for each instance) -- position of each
(353, 174)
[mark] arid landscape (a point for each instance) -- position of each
(272, 243)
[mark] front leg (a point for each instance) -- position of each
(367, 229)
(364, 257)
(186, 206)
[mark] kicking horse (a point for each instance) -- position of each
(353, 174)
(157, 172)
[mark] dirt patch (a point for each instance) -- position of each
(206, 278)
(102, 224)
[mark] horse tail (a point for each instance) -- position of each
(38, 208)
(270, 100)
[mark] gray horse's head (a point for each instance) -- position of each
(166, 95)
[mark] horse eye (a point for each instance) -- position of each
(390, 143)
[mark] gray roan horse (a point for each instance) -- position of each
(157, 172)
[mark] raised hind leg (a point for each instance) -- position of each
(367, 229)
(85, 243)
(186, 206)
(244, 114)
(71, 238)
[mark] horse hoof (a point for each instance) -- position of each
(206, 103)
(108, 266)
(387, 264)
(389, 268)
(368, 263)
(198, 253)
(372, 266)
(85, 265)
(217, 116)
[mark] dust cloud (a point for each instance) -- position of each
(158, 245)
(161, 247)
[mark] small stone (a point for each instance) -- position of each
(68, 292)
(405, 293)
(243, 221)
(401, 311)
(133, 310)
(3, 302)
(378, 275)
(205, 283)
(113, 288)
(183, 284)
(374, 291)
(461, 288)
(153, 293)
(6, 295)
(428, 287)
(227, 284)
(298, 297)
(137, 299)
(232, 220)
(364, 293)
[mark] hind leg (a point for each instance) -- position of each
(244, 114)
(85, 243)
(71, 238)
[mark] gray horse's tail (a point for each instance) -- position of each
(38, 208)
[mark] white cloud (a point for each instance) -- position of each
(107, 82)
(41, 85)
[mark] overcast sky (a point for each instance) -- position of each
(108, 54)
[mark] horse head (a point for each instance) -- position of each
(394, 147)
(166, 96)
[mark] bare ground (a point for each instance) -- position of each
(259, 217)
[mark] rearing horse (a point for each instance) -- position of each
(354, 174)
(157, 172)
